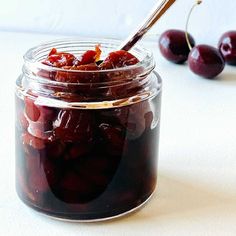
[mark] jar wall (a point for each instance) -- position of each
(86, 164)
(86, 141)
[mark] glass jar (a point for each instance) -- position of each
(88, 150)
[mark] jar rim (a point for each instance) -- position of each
(135, 77)
(101, 104)
(31, 60)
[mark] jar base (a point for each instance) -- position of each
(113, 217)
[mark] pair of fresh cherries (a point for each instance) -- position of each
(178, 47)
(203, 60)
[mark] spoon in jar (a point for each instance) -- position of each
(152, 18)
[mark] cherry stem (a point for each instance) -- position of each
(198, 2)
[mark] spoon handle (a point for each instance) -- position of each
(152, 18)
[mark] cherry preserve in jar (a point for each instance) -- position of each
(86, 139)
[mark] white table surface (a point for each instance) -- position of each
(196, 192)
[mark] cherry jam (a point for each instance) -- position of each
(86, 139)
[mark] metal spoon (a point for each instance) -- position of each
(152, 18)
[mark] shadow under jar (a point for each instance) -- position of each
(86, 151)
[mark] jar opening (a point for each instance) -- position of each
(135, 81)
(34, 57)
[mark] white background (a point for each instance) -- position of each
(114, 18)
(196, 193)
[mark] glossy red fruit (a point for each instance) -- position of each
(40, 119)
(32, 141)
(119, 59)
(52, 52)
(206, 61)
(37, 113)
(227, 46)
(31, 110)
(73, 125)
(91, 56)
(174, 47)
(59, 59)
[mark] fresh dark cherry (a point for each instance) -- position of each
(173, 46)
(227, 46)
(206, 61)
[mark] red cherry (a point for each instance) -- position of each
(59, 59)
(174, 47)
(40, 119)
(91, 56)
(206, 61)
(52, 52)
(227, 46)
(31, 110)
